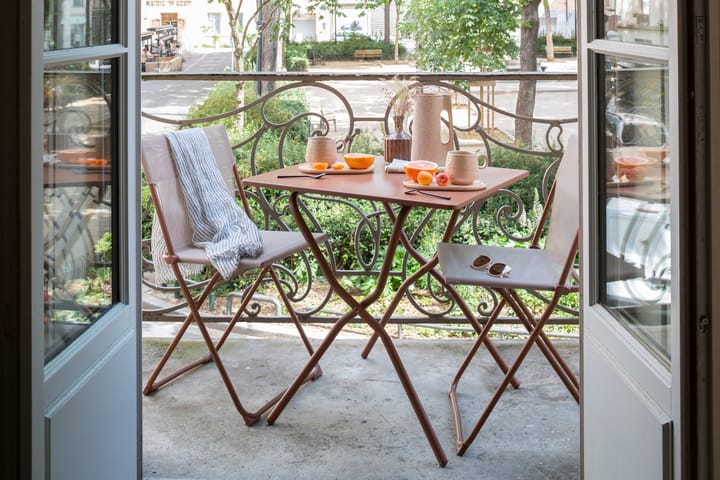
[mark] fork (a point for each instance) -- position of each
(415, 190)
(302, 176)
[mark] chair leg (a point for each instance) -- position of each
(452, 391)
(534, 338)
(248, 417)
(553, 357)
(153, 384)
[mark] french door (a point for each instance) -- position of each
(643, 278)
(86, 139)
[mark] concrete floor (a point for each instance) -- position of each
(355, 421)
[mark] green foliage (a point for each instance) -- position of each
(296, 64)
(103, 248)
(528, 187)
(221, 99)
(345, 49)
(366, 142)
(558, 41)
(451, 35)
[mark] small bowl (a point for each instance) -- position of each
(359, 160)
(75, 155)
(633, 162)
(416, 166)
(633, 168)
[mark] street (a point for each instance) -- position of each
(554, 99)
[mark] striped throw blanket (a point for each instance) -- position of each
(219, 225)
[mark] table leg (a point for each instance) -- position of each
(359, 308)
(428, 266)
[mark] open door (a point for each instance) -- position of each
(642, 255)
(87, 150)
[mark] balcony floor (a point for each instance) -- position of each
(355, 420)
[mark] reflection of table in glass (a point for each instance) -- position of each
(638, 256)
(389, 191)
(77, 215)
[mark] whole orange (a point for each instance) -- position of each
(424, 178)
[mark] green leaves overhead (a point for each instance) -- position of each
(454, 34)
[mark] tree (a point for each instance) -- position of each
(453, 34)
(549, 53)
(274, 18)
(525, 106)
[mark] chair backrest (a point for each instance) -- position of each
(562, 237)
(161, 175)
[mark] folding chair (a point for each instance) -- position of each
(547, 269)
(161, 176)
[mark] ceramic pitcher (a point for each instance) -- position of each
(427, 128)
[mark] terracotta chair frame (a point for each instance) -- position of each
(161, 177)
(548, 269)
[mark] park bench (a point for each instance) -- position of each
(367, 54)
(562, 50)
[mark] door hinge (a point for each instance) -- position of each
(704, 324)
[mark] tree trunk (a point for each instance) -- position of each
(237, 57)
(386, 23)
(397, 31)
(525, 105)
(549, 52)
(269, 44)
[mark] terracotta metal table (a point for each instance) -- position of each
(387, 189)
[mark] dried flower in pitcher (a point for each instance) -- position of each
(399, 92)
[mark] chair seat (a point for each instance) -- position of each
(532, 268)
(277, 245)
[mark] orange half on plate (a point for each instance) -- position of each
(359, 160)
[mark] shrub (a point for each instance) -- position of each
(297, 64)
(341, 50)
(558, 41)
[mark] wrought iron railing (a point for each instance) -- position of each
(356, 241)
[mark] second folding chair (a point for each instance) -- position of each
(506, 270)
(162, 178)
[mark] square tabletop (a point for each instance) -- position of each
(384, 187)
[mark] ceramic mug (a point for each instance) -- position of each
(321, 149)
(462, 167)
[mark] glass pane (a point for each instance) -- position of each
(79, 221)
(636, 21)
(78, 23)
(636, 212)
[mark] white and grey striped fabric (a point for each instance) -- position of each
(219, 225)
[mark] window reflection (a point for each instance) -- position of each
(78, 220)
(636, 21)
(78, 23)
(636, 211)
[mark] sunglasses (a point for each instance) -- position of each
(497, 269)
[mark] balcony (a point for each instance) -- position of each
(355, 421)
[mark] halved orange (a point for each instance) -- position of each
(359, 160)
(413, 168)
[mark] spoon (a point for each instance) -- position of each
(302, 176)
(415, 190)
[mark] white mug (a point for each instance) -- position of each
(321, 149)
(462, 167)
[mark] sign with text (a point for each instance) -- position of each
(167, 3)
